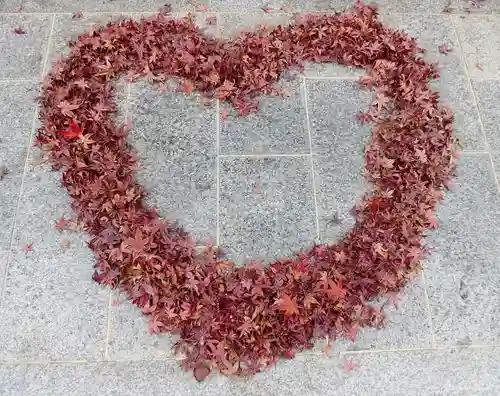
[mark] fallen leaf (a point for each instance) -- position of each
(65, 243)
(19, 30)
(115, 303)
(349, 365)
(224, 113)
(187, 87)
(28, 247)
(327, 349)
(201, 372)
(62, 223)
(211, 20)
(479, 66)
(267, 10)
(444, 49)
(3, 171)
(77, 15)
(287, 305)
(73, 132)
(202, 8)
(166, 9)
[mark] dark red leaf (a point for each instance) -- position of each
(201, 372)
(19, 30)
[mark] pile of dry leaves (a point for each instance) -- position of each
(240, 320)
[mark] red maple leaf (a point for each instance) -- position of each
(349, 365)
(19, 30)
(77, 15)
(62, 223)
(211, 20)
(444, 49)
(202, 8)
(73, 132)
(287, 305)
(432, 220)
(267, 10)
(224, 114)
(335, 290)
(137, 243)
(187, 87)
(27, 247)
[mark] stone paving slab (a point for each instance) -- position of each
(462, 272)
(15, 133)
(465, 371)
(261, 187)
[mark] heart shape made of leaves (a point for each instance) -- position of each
(240, 320)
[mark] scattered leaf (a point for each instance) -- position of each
(444, 49)
(28, 247)
(479, 66)
(211, 20)
(187, 87)
(267, 10)
(19, 31)
(202, 8)
(62, 223)
(224, 113)
(201, 372)
(349, 365)
(65, 243)
(3, 171)
(77, 15)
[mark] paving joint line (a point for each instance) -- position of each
(252, 10)
(302, 353)
(43, 66)
(476, 102)
(429, 311)
(311, 159)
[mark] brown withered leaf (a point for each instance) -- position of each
(3, 171)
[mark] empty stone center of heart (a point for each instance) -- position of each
(261, 186)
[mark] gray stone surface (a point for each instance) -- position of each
(478, 35)
(16, 122)
(462, 271)
(43, 201)
(338, 141)
(175, 138)
(266, 206)
(90, 5)
(443, 372)
(280, 126)
(129, 337)
(487, 94)
(51, 309)
(453, 85)
(408, 324)
(26, 63)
